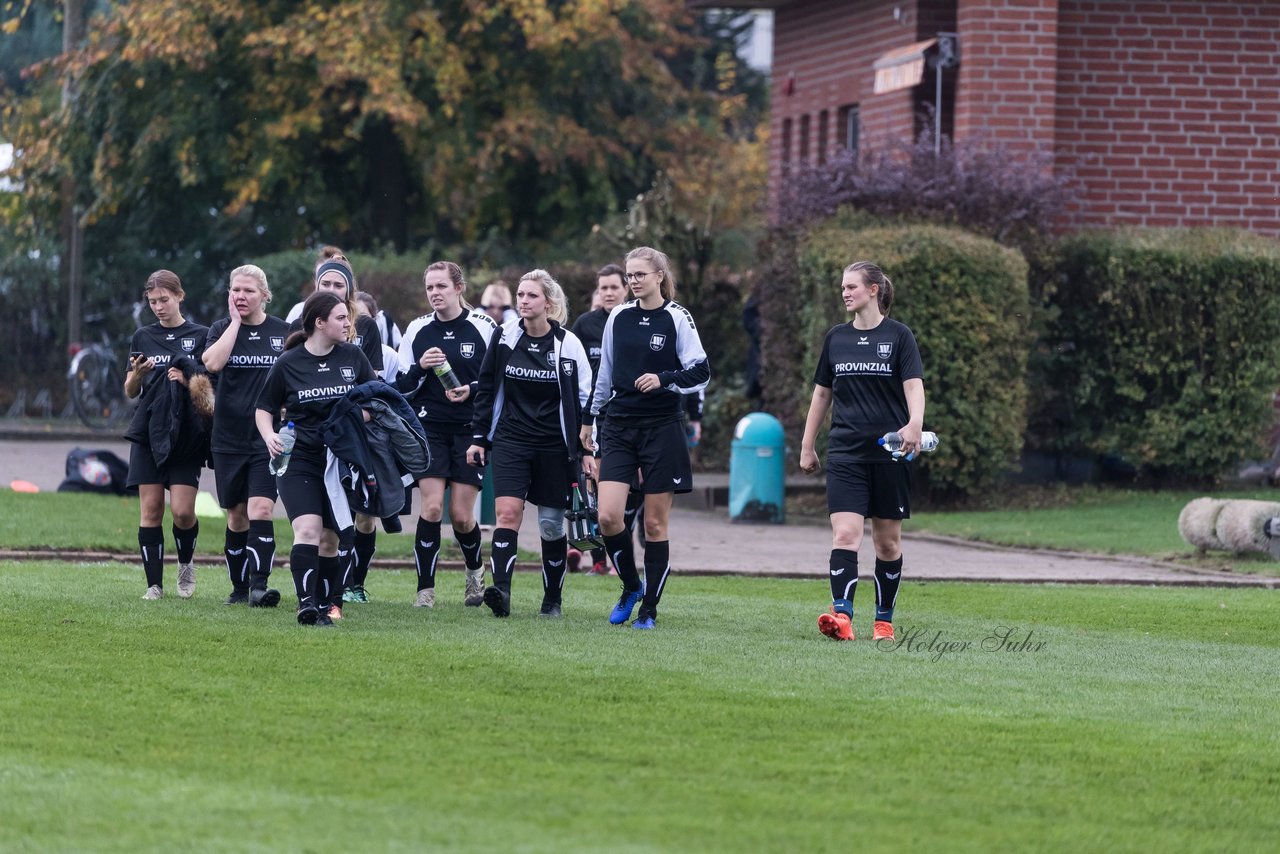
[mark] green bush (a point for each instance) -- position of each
(965, 298)
(1162, 349)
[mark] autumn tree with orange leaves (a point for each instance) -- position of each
(366, 121)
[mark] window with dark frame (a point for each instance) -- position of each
(849, 128)
(804, 139)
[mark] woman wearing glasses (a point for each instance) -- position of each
(650, 357)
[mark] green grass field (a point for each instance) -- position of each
(81, 522)
(1147, 720)
(1110, 521)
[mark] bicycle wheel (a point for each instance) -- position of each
(97, 387)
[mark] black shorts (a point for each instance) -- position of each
(538, 475)
(872, 490)
(243, 476)
(302, 488)
(449, 459)
(660, 452)
(143, 469)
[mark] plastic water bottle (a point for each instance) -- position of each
(892, 442)
(288, 435)
(447, 377)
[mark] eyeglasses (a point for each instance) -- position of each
(639, 277)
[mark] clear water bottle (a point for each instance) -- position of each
(892, 442)
(288, 435)
(447, 377)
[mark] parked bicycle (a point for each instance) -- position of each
(96, 380)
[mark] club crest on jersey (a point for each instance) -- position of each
(359, 342)
(656, 342)
(884, 349)
(188, 344)
(348, 373)
(277, 343)
(551, 358)
(567, 367)
(467, 349)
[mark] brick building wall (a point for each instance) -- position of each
(1172, 111)
(822, 62)
(1008, 71)
(1168, 111)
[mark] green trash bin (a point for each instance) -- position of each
(757, 470)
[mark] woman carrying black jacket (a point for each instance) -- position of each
(160, 345)
(317, 369)
(534, 382)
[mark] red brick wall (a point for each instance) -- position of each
(1008, 51)
(1171, 111)
(829, 46)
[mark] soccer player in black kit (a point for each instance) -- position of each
(318, 367)
(871, 368)
(534, 384)
(241, 350)
(651, 356)
(334, 274)
(457, 334)
(610, 292)
(151, 354)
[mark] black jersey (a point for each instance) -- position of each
(368, 339)
(307, 386)
(865, 369)
(637, 341)
(531, 394)
(464, 341)
(240, 382)
(163, 345)
(589, 328)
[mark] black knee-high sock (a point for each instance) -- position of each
(888, 575)
(233, 548)
(346, 554)
(553, 568)
(503, 555)
(304, 563)
(469, 542)
(597, 555)
(365, 546)
(261, 550)
(151, 544)
(185, 540)
(657, 565)
(332, 570)
(622, 551)
(426, 551)
(844, 579)
(635, 500)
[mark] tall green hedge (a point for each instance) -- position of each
(1163, 349)
(965, 298)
